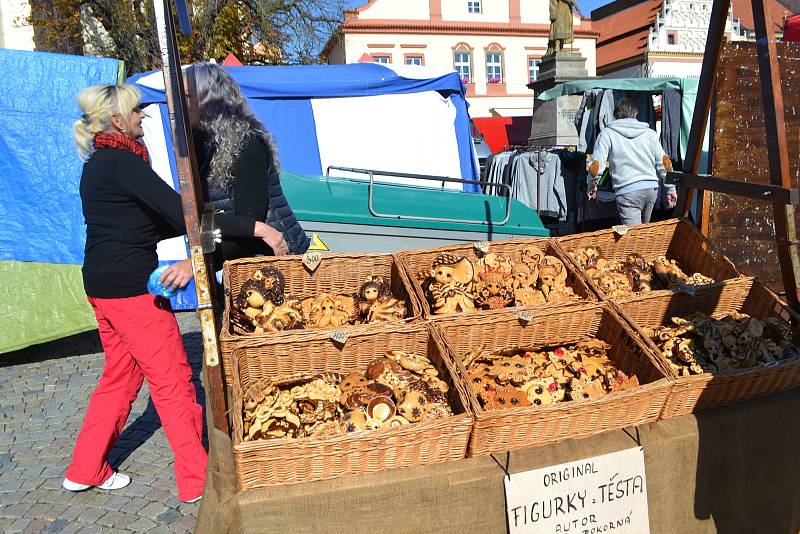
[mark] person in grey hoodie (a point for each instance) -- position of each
(637, 163)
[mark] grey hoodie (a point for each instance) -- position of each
(634, 155)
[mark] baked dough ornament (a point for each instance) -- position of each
(450, 288)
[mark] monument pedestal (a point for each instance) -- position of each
(553, 120)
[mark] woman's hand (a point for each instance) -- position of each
(271, 237)
(177, 275)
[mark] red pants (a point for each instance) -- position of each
(141, 339)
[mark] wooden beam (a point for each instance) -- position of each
(192, 202)
(767, 192)
(777, 150)
(702, 107)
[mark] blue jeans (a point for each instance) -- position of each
(636, 207)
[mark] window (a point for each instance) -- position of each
(462, 63)
(381, 58)
(672, 38)
(533, 69)
(494, 67)
(414, 59)
(474, 6)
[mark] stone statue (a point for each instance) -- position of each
(560, 24)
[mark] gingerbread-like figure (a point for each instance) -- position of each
(450, 287)
(494, 289)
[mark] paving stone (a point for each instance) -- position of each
(72, 512)
(134, 505)
(115, 503)
(15, 510)
(36, 526)
(118, 520)
(153, 510)
(91, 515)
(142, 525)
(19, 525)
(37, 511)
(184, 524)
(168, 517)
(10, 485)
(56, 526)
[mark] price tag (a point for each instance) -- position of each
(620, 229)
(339, 336)
(525, 315)
(602, 494)
(312, 259)
(482, 246)
(688, 289)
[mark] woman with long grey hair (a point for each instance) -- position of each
(239, 163)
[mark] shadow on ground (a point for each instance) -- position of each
(141, 429)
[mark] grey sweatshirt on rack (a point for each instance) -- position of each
(634, 154)
(525, 184)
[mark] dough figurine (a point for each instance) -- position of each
(376, 303)
(273, 281)
(450, 286)
(287, 316)
(325, 311)
(494, 289)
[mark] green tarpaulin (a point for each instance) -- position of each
(41, 302)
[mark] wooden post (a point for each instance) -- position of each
(192, 201)
(777, 151)
(702, 108)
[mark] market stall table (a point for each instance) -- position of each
(726, 470)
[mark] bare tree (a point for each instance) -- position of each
(256, 31)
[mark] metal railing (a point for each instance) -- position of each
(443, 179)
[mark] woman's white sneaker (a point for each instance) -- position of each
(114, 482)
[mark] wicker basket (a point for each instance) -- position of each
(701, 392)
(676, 239)
(515, 428)
(264, 463)
(337, 273)
(416, 261)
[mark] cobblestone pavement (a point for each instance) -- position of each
(44, 391)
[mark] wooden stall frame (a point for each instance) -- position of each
(780, 193)
(199, 220)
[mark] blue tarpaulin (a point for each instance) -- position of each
(40, 169)
(281, 97)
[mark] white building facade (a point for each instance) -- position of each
(658, 38)
(677, 40)
(14, 30)
(495, 45)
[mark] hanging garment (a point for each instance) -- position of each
(529, 175)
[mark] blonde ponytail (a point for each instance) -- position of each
(98, 104)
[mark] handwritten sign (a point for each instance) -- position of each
(620, 229)
(482, 246)
(525, 315)
(602, 494)
(312, 259)
(339, 336)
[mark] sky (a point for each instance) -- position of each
(586, 5)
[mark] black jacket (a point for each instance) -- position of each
(255, 194)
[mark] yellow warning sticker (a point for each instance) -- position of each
(317, 243)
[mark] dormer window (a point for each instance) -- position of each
(474, 6)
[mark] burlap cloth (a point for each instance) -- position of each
(730, 470)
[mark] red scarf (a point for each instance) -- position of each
(123, 142)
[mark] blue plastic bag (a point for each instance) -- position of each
(157, 288)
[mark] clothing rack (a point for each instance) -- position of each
(538, 149)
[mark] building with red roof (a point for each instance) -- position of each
(658, 38)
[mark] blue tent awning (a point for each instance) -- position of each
(325, 81)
